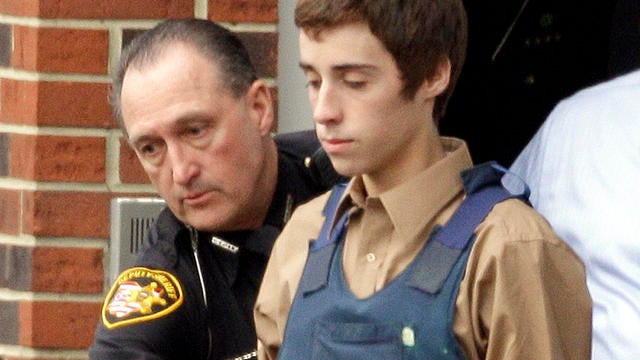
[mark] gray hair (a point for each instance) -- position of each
(215, 42)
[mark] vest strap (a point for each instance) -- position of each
(330, 211)
(446, 245)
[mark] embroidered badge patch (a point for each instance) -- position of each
(140, 294)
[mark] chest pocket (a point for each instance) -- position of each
(345, 341)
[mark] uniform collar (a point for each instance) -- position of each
(290, 189)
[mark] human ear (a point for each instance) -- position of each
(261, 106)
(438, 82)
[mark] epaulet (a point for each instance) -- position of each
(322, 170)
(305, 145)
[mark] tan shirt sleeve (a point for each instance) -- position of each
(524, 297)
(283, 273)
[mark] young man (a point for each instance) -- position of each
(189, 101)
(583, 166)
(412, 260)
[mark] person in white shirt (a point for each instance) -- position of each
(583, 167)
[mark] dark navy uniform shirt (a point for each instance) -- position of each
(171, 306)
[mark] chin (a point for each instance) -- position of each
(201, 220)
(346, 169)
(206, 223)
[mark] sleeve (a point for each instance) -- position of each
(149, 303)
(140, 316)
(545, 157)
(524, 298)
(283, 273)
(110, 345)
(274, 299)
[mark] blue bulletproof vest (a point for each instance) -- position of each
(411, 318)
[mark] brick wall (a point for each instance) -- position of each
(62, 157)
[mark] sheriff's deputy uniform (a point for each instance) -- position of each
(191, 293)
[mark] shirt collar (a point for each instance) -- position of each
(420, 198)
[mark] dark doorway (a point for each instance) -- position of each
(526, 55)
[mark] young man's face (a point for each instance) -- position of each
(363, 122)
(203, 149)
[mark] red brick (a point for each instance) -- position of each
(74, 104)
(10, 212)
(98, 9)
(263, 50)
(57, 158)
(131, 171)
(22, 156)
(244, 10)
(51, 103)
(66, 158)
(67, 270)
(116, 9)
(18, 101)
(38, 358)
(276, 99)
(73, 214)
(58, 325)
(61, 50)
(19, 8)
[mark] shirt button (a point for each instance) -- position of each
(371, 257)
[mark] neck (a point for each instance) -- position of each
(417, 157)
(265, 187)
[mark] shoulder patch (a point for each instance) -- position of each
(141, 294)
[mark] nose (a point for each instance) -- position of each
(184, 164)
(325, 104)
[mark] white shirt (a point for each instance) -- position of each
(583, 167)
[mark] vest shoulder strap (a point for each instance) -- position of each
(327, 235)
(484, 189)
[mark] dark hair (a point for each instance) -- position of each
(216, 43)
(418, 34)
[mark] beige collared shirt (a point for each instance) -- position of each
(523, 295)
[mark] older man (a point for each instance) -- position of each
(189, 101)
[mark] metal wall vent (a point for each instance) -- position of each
(130, 220)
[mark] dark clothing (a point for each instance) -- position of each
(220, 283)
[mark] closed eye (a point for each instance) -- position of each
(354, 84)
(313, 84)
(195, 128)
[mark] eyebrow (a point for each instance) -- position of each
(181, 123)
(191, 118)
(135, 143)
(341, 67)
